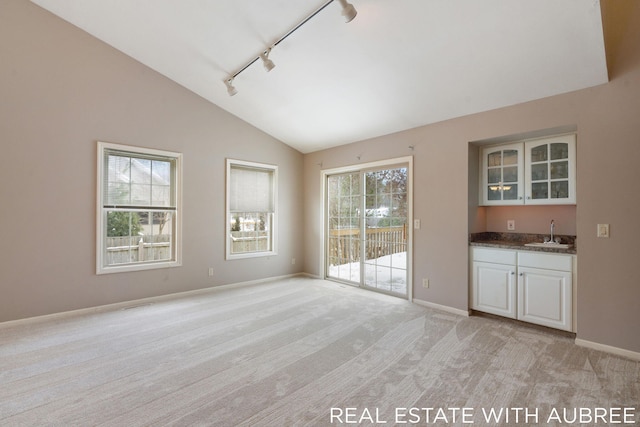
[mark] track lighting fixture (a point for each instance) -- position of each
(348, 11)
(268, 64)
(231, 90)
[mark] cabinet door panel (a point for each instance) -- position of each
(544, 297)
(494, 289)
(550, 173)
(502, 175)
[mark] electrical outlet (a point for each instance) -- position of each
(416, 224)
(293, 261)
(511, 224)
(603, 230)
(210, 271)
(425, 283)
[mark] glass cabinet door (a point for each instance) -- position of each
(550, 170)
(502, 169)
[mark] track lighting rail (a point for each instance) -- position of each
(348, 11)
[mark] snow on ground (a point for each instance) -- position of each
(387, 273)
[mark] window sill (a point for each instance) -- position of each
(137, 267)
(231, 257)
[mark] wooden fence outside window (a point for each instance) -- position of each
(130, 249)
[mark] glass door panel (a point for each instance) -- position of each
(549, 170)
(559, 190)
(540, 190)
(344, 241)
(510, 157)
(502, 174)
(559, 150)
(385, 236)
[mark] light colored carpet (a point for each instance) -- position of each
(296, 352)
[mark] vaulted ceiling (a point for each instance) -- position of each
(398, 65)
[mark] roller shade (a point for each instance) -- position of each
(251, 189)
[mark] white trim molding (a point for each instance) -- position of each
(608, 349)
(124, 305)
(440, 307)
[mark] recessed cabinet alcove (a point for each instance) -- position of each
(518, 185)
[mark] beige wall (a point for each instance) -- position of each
(608, 126)
(62, 90)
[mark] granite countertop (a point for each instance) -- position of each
(518, 240)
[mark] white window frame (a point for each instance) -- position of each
(229, 217)
(176, 254)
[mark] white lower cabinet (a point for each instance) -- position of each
(494, 289)
(530, 286)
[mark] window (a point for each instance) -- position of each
(138, 224)
(251, 209)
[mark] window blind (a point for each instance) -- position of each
(251, 189)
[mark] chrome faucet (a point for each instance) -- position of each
(553, 225)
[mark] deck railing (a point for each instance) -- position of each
(345, 243)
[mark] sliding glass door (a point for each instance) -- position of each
(367, 231)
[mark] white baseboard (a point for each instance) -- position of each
(312, 276)
(441, 307)
(608, 349)
(140, 302)
(254, 282)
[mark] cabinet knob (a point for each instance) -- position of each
(513, 272)
(521, 274)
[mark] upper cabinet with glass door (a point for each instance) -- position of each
(503, 173)
(551, 170)
(536, 172)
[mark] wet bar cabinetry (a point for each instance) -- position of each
(493, 281)
(533, 172)
(530, 286)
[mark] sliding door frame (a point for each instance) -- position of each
(361, 167)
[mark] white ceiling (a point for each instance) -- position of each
(398, 65)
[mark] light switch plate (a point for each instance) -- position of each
(416, 224)
(511, 224)
(603, 230)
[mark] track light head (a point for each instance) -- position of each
(231, 90)
(348, 11)
(268, 64)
